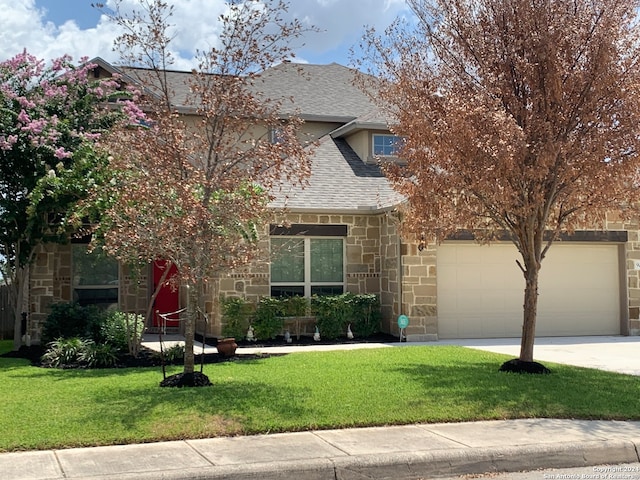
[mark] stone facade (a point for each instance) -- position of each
(50, 282)
(632, 254)
(377, 261)
(363, 260)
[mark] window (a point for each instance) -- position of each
(276, 135)
(306, 266)
(386, 145)
(94, 277)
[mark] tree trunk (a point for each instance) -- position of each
(530, 312)
(16, 298)
(17, 329)
(190, 327)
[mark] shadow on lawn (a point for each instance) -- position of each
(221, 410)
(569, 392)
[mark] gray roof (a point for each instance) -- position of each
(314, 92)
(340, 182)
(318, 91)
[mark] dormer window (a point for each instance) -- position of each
(386, 145)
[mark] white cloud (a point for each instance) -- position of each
(343, 21)
(24, 25)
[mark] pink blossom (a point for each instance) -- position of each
(26, 103)
(8, 143)
(91, 136)
(61, 153)
(35, 127)
(60, 63)
(23, 117)
(133, 112)
(52, 91)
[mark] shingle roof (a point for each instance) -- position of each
(322, 92)
(316, 90)
(339, 182)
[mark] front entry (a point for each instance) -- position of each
(168, 299)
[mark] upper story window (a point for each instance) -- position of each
(276, 135)
(385, 145)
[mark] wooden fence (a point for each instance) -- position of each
(6, 314)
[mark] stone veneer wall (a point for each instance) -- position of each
(50, 282)
(46, 284)
(390, 273)
(419, 288)
(419, 291)
(373, 266)
(632, 253)
(363, 258)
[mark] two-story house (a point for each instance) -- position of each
(340, 233)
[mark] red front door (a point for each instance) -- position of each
(168, 298)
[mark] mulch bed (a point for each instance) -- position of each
(149, 358)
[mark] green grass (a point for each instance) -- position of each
(48, 408)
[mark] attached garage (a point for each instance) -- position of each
(480, 290)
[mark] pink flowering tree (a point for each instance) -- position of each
(51, 118)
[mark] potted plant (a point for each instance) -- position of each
(227, 347)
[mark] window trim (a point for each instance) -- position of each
(307, 283)
(373, 145)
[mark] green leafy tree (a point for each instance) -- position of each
(51, 117)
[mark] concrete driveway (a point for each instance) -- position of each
(611, 353)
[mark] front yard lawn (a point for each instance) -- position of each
(47, 408)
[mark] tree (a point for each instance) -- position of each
(194, 181)
(519, 118)
(50, 118)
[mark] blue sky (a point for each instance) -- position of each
(50, 28)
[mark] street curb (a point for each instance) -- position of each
(413, 465)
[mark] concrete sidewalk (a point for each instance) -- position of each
(399, 452)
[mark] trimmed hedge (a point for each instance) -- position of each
(334, 314)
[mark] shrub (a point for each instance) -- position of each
(236, 313)
(121, 330)
(64, 351)
(295, 306)
(366, 315)
(69, 320)
(172, 354)
(334, 313)
(268, 321)
(98, 355)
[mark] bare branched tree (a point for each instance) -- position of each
(192, 183)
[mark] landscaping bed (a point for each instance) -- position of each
(151, 358)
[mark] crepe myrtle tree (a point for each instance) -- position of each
(51, 116)
(520, 119)
(194, 182)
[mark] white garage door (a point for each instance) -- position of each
(481, 291)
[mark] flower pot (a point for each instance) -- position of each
(227, 347)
